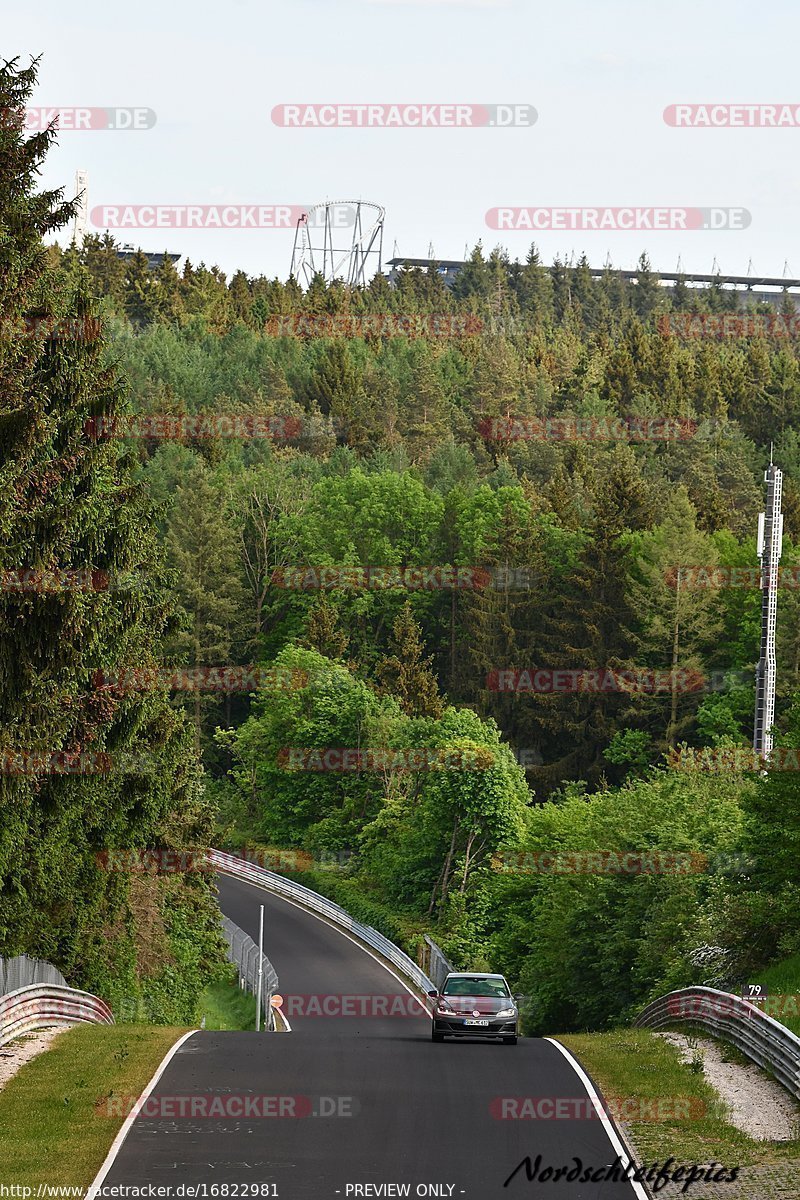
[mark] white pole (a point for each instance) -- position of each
(260, 967)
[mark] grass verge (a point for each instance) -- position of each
(641, 1075)
(226, 1006)
(53, 1127)
(782, 982)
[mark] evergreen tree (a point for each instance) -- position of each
(590, 624)
(648, 291)
(474, 280)
(323, 631)
(138, 291)
(166, 299)
(69, 503)
(106, 268)
(405, 671)
(335, 380)
(202, 549)
(680, 625)
(534, 288)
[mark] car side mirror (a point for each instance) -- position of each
(434, 994)
(519, 995)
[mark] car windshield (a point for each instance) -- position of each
(475, 987)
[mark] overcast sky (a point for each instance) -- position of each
(599, 75)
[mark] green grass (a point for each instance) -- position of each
(633, 1066)
(226, 1006)
(54, 1127)
(782, 982)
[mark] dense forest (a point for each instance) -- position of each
(70, 506)
(399, 503)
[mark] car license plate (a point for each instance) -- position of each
(469, 1022)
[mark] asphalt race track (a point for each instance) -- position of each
(348, 1101)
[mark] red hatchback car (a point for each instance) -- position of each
(474, 1005)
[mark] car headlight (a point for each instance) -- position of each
(506, 1012)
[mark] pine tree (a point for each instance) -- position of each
(335, 379)
(202, 548)
(474, 280)
(165, 298)
(680, 626)
(534, 288)
(324, 632)
(69, 502)
(406, 673)
(139, 292)
(590, 624)
(424, 420)
(241, 299)
(106, 268)
(648, 291)
(205, 294)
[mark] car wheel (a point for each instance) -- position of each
(510, 1041)
(436, 1037)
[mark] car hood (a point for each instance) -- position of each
(484, 1005)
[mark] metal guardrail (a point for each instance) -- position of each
(728, 1017)
(433, 961)
(230, 864)
(24, 971)
(44, 1004)
(243, 952)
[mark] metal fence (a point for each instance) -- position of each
(28, 1009)
(243, 952)
(241, 869)
(728, 1017)
(23, 971)
(434, 963)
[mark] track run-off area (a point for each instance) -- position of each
(360, 1105)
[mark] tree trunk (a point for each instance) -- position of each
(441, 882)
(448, 864)
(470, 841)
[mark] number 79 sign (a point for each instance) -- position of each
(756, 993)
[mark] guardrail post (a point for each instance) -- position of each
(260, 967)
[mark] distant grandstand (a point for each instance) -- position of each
(753, 289)
(154, 258)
